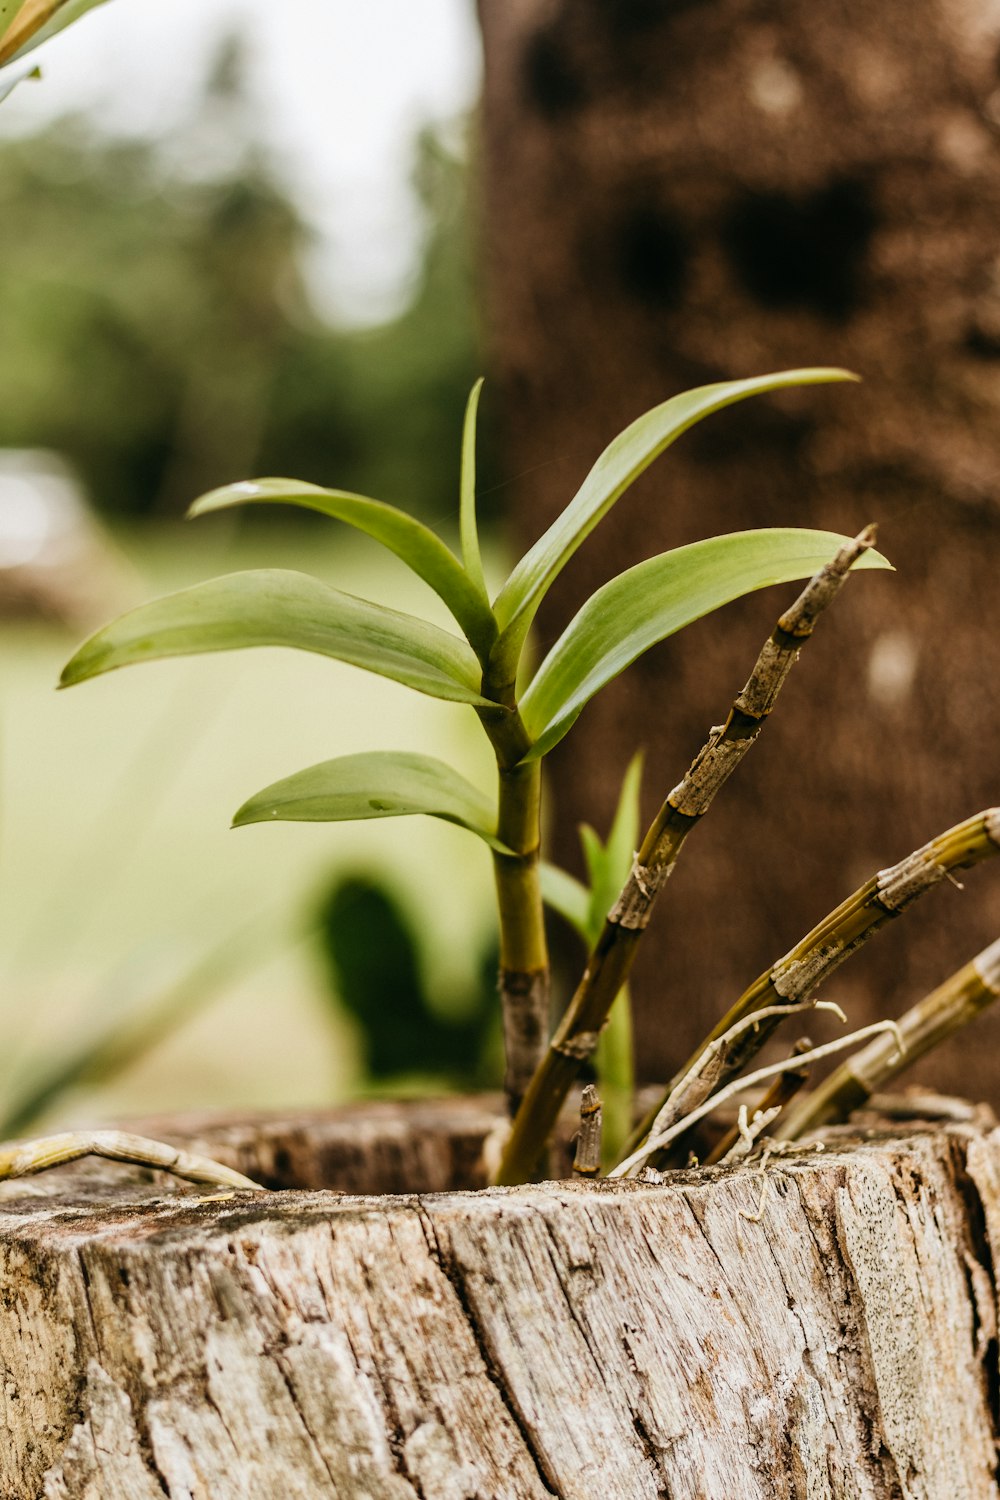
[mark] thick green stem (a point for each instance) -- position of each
(524, 961)
(615, 1065)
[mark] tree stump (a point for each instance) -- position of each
(824, 1326)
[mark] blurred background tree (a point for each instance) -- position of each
(158, 335)
(683, 193)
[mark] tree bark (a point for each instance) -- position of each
(677, 193)
(824, 1327)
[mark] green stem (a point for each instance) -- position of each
(524, 960)
(615, 1067)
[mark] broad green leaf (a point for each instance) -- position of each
(631, 452)
(471, 556)
(653, 600)
(25, 24)
(567, 896)
(271, 607)
(409, 539)
(379, 784)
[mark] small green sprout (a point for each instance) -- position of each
(584, 907)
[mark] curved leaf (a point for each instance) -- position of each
(271, 607)
(610, 868)
(584, 906)
(419, 547)
(25, 24)
(651, 601)
(378, 784)
(622, 461)
(471, 556)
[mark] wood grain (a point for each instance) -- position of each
(826, 1327)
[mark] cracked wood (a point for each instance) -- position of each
(823, 1328)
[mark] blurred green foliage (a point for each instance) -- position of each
(157, 332)
(374, 956)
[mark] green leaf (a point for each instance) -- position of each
(567, 896)
(593, 851)
(585, 907)
(419, 547)
(651, 601)
(25, 24)
(631, 452)
(379, 784)
(610, 872)
(271, 607)
(471, 556)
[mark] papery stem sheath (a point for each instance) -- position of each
(797, 976)
(924, 1026)
(587, 1157)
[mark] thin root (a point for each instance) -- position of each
(25, 1158)
(765, 1184)
(655, 1143)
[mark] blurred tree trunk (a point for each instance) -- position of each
(677, 193)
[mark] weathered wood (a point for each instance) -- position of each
(826, 1327)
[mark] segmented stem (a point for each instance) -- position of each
(587, 1158)
(663, 1138)
(797, 976)
(611, 960)
(783, 1090)
(524, 961)
(24, 1158)
(924, 1026)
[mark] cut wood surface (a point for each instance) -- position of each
(824, 1326)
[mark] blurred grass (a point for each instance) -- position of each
(118, 869)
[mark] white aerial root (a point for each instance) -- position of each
(702, 1065)
(655, 1142)
(23, 1158)
(749, 1131)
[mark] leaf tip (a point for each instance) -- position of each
(73, 672)
(253, 812)
(230, 494)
